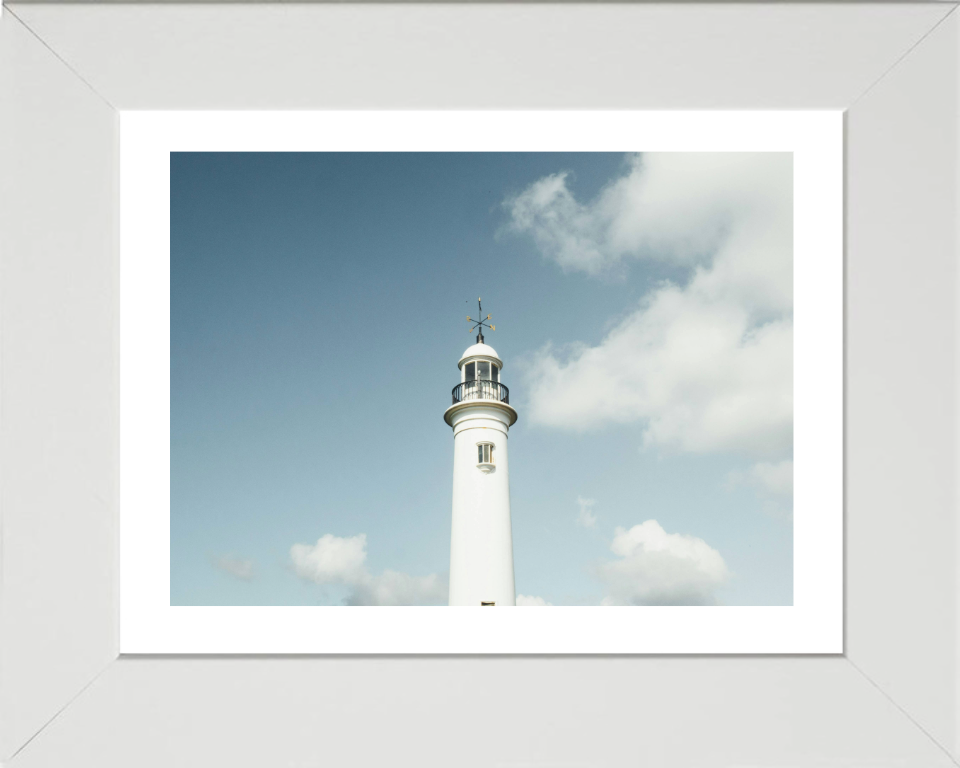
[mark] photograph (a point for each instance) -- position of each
(481, 378)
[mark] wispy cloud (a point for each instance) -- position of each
(342, 560)
(530, 600)
(654, 567)
(586, 517)
(238, 567)
(774, 478)
(706, 363)
(773, 484)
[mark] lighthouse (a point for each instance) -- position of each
(481, 542)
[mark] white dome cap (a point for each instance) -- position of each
(480, 351)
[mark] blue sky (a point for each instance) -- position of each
(643, 312)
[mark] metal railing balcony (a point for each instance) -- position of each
(481, 390)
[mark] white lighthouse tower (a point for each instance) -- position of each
(481, 542)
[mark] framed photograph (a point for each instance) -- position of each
(711, 231)
(162, 131)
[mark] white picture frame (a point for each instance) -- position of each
(66, 695)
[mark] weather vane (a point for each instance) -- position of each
(479, 325)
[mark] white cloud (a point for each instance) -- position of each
(706, 365)
(660, 568)
(586, 518)
(773, 483)
(395, 588)
(237, 567)
(530, 600)
(332, 559)
(670, 206)
(342, 560)
(775, 478)
(562, 228)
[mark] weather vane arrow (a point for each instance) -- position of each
(479, 325)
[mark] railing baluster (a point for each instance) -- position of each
(480, 390)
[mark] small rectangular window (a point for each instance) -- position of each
(483, 370)
(485, 453)
(479, 454)
(471, 374)
(492, 602)
(496, 373)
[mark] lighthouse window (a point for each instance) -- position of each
(496, 373)
(471, 372)
(483, 370)
(485, 453)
